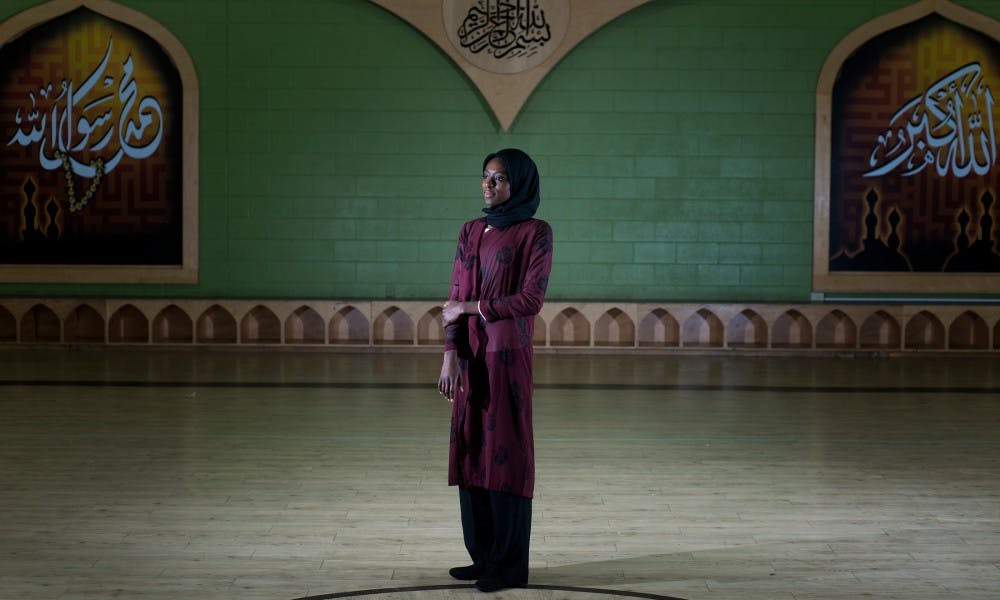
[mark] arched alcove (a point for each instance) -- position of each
(216, 326)
(430, 328)
(8, 325)
(260, 326)
(996, 336)
(128, 325)
(791, 330)
(746, 330)
(614, 328)
(172, 326)
(393, 327)
(880, 331)
(924, 332)
(703, 329)
(349, 326)
(659, 328)
(569, 328)
(84, 325)
(539, 336)
(836, 330)
(886, 75)
(40, 324)
(74, 35)
(305, 326)
(969, 331)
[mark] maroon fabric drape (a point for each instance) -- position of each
(507, 272)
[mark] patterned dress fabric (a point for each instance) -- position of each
(492, 443)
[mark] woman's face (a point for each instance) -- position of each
(496, 185)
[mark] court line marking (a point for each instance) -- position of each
(430, 588)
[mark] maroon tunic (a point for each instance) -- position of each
(507, 271)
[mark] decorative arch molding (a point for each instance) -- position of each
(380, 325)
(825, 280)
(186, 270)
(507, 92)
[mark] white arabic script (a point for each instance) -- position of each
(49, 122)
(950, 126)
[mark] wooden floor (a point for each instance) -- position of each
(187, 475)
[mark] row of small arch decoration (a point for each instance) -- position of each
(265, 323)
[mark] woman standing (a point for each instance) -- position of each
(497, 287)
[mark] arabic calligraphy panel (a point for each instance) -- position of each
(506, 36)
(914, 165)
(90, 146)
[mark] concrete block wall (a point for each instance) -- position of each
(340, 152)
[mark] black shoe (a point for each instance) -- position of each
(489, 584)
(469, 573)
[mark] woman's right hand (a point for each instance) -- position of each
(453, 310)
(450, 381)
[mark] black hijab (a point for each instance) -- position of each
(524, 195)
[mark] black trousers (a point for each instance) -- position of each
(497, 529)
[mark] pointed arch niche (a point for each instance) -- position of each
(507, 84)
(885, 149)
(98, 45)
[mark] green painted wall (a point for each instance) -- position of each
(340, 150)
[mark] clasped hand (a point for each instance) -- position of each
(452, 310)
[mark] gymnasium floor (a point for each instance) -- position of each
(200, 475)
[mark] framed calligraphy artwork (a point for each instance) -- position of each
(506, 47)
(907, 167)
(98, 148)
